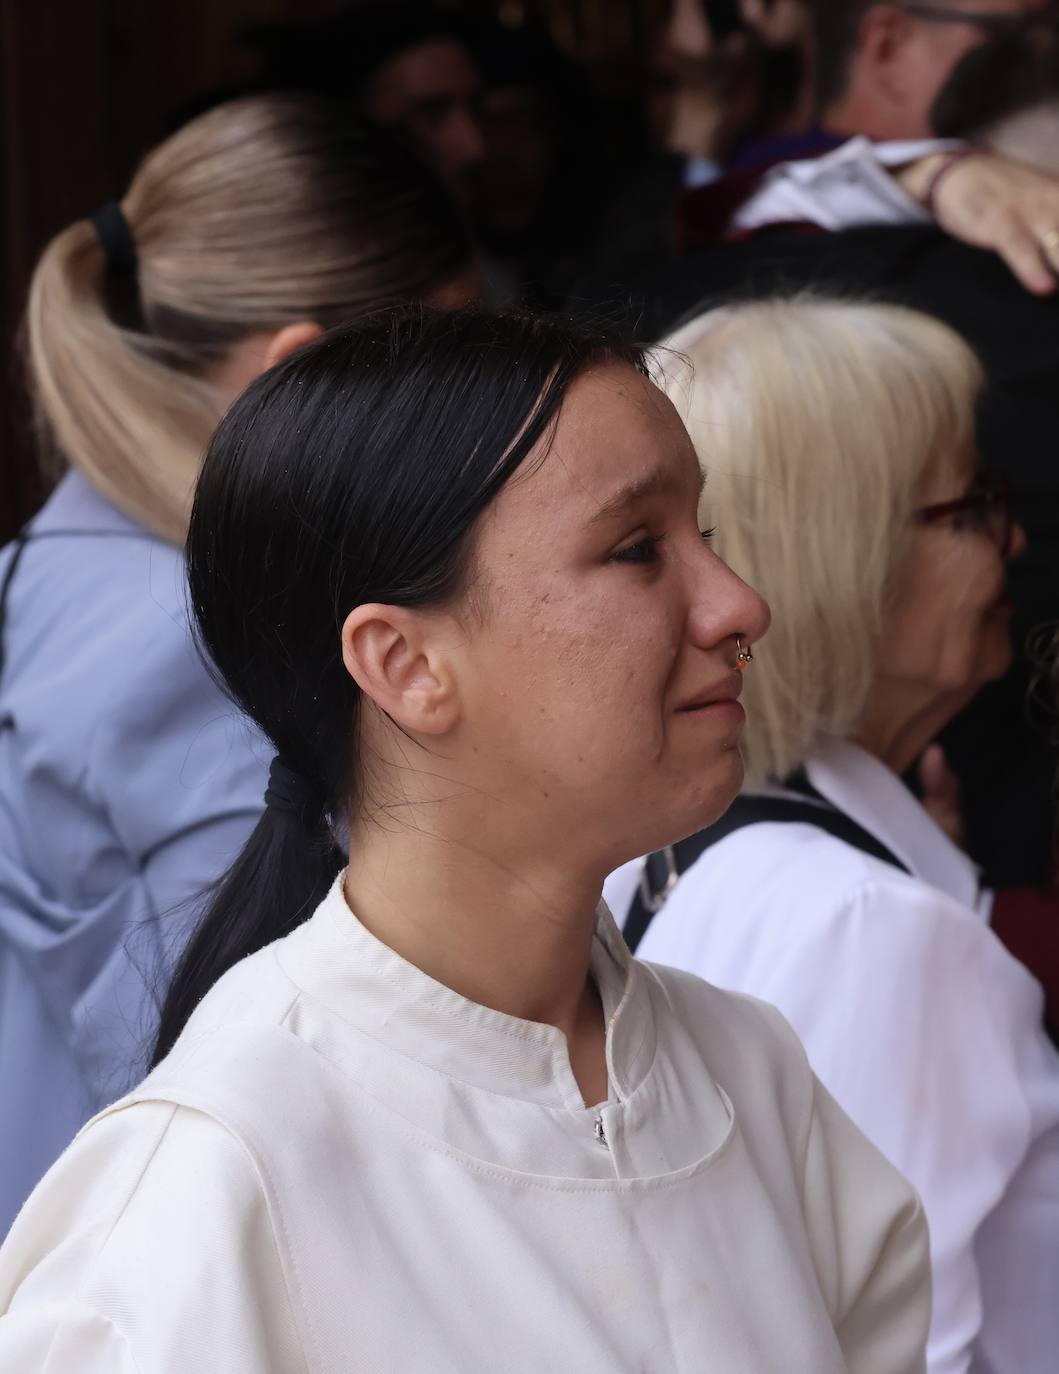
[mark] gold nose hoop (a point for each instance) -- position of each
(744, 657)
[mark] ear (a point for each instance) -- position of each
(394, 655)
(290, 338)
(884, 31)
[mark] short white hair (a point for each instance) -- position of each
(814, 420)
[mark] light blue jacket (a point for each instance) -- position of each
(128, 782)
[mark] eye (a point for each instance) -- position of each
(645, 550)
(707, 535)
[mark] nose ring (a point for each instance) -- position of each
(744, 657)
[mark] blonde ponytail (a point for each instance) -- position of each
(136, 428)
(262, 212)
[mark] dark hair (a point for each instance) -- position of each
(352, 472)
(836, 31)
(995, 81)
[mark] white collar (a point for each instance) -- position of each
(334, 959)
(863, 788)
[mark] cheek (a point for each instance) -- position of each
(589, 671)
(945, 628)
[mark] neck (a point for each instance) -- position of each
(854, 114)
(896, 727)
(477, 883)
(513, 936)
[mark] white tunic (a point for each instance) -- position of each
(346, 1168)
(919, 1022)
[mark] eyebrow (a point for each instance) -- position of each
(653, 484)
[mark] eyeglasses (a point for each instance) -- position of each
(986, 509)
(993, 22)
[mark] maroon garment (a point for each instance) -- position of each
(705, 212)
(1026, 920)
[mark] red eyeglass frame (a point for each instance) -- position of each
(990, 494)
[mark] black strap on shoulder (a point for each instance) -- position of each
(24, 537)
(21, 539)
(662, 869)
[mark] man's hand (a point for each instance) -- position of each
(994, 202)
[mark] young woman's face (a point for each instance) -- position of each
(600, 681)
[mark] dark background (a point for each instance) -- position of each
(87, 86)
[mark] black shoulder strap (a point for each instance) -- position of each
(19, 548)
(663, 868)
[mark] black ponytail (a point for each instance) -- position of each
(352, 472)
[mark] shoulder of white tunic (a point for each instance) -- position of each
(241, 1053)
(746, 1044)
(148, 1188)
(714, 1013)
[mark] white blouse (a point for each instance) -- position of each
(919, 1022)
(346, 1168)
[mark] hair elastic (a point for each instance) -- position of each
(115, 236)
(291, 793)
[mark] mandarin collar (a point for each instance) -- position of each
(862, 787)
(338, 962)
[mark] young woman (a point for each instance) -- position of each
(417, 1108)
(128, 783)
(851, 497)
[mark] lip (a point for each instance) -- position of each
(723, 693)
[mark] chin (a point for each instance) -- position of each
(703, 809)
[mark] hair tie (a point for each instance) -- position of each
(115, 237)
(291, 793)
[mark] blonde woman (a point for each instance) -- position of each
(127, 781)
(843, 484)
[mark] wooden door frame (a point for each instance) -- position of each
(53, 162)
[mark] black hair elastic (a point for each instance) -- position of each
(292, 793)
(115, 236)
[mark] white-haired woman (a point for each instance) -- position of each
(839, 441)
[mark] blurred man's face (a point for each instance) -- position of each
(432, 90)
(938, 34)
